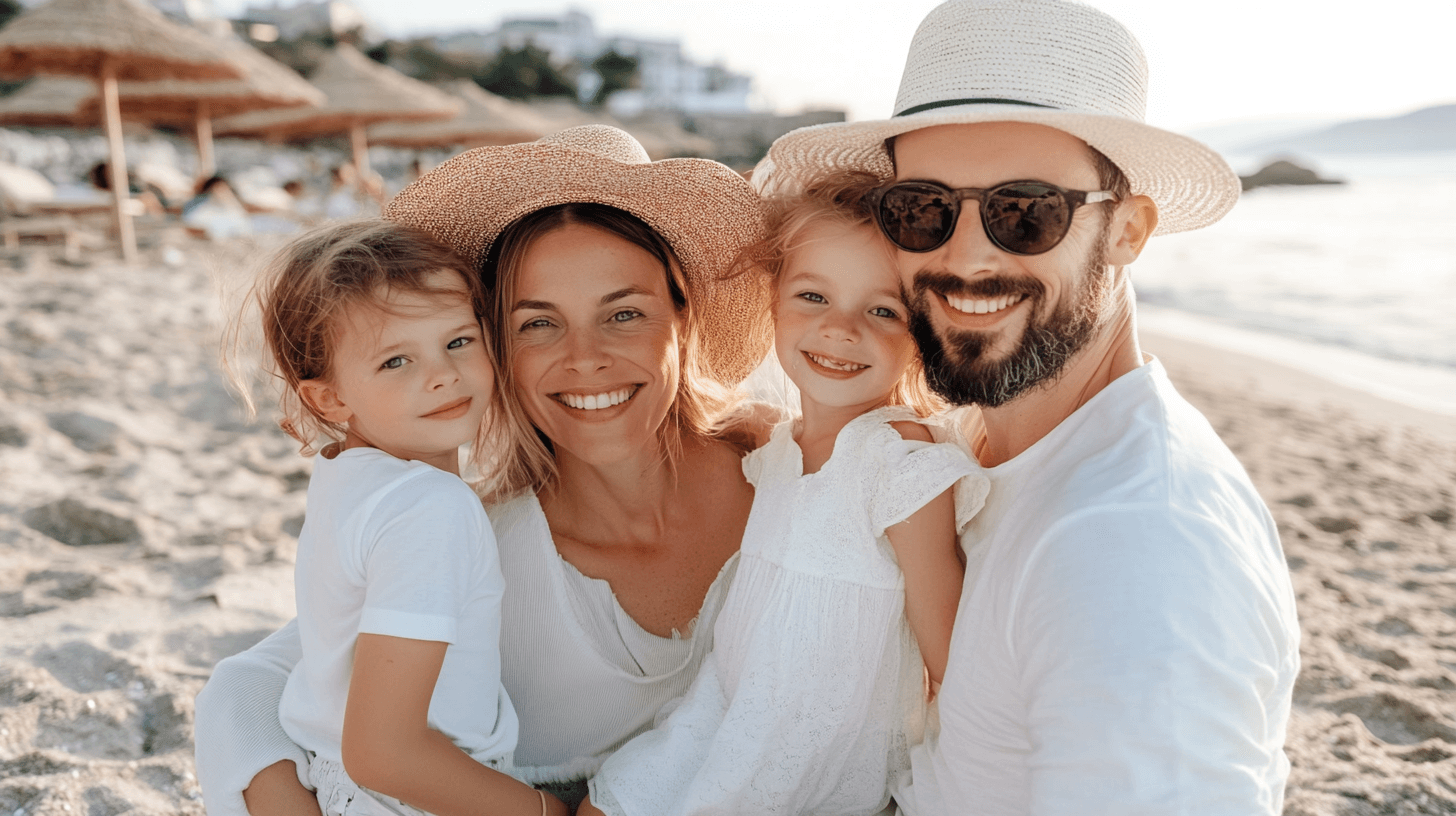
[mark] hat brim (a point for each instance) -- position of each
(1191, 183)
(706, 212)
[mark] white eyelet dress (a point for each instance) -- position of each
(814, 689)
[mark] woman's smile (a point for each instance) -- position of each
(597, 401)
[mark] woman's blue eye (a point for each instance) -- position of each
(625, 315)
(535, 323)
(458, 342)
(393, 362)
(812, 297)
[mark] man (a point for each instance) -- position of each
(1126, 640)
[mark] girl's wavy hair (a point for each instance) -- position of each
(840, 199)
(290, 318)
(702, 407)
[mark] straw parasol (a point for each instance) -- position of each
(265, 84)
(51, 102)
(487, 119)
(360, 92)
(108, 40)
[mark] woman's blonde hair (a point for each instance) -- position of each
(301, 295)
(840, 199)
(527, 460)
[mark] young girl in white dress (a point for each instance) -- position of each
(849, 574)
(374, 330)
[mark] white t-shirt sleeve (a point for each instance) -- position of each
(237, 730)
(1145, 661)
(421, 555)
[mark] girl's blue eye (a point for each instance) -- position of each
(812, 297)
(393, 363)
(458, 342)
(885, 311)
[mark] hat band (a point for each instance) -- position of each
(951, 103)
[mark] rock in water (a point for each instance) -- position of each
(1284, 172)
(71, 522)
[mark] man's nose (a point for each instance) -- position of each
(969, 251)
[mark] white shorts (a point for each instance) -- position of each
(338, 795)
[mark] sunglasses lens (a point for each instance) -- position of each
(915, 217)
(1027, 219)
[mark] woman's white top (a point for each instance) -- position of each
(398, 548)
(815, 688)
(583, 676)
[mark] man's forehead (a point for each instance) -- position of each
(993, 152)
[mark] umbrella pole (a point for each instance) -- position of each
(120, 185)
(206, 165)
(361, 149)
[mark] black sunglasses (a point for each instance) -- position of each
(1020, 217)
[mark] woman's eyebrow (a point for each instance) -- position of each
(624, 292)
(539, 305)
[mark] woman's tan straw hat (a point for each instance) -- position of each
(1049, 62)
(706, 212)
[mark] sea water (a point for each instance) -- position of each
(1354, 282)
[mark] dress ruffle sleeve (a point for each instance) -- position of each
(911, 473)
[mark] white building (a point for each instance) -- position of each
(310, 17)
(670, 79)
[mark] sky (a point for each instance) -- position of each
(1210, 63)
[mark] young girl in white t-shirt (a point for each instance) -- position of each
(374, 332)
(849, 575)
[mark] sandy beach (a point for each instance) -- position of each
(147, 531)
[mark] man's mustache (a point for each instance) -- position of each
(944, 283)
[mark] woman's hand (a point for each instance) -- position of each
(276, 791)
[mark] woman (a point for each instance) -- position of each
(620, 519)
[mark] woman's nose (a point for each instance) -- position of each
(584, 352)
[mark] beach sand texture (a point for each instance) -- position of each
(146, 531)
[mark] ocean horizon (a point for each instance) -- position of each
(1355, 282)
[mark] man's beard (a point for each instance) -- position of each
(953, 365)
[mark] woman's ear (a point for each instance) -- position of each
(1133, 223)
(323, 398)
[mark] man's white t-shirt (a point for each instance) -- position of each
(399, 548)
(1126, 641)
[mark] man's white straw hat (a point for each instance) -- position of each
(706, 212)
(1048, 62)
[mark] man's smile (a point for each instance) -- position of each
(967, 305)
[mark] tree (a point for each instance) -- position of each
(618, 72)
(525, 73)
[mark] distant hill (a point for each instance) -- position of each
(1426, 129)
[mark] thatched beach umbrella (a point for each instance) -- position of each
(360, 92)
(486, 119)
(265, 84)
(108, 40)
(51, 102)
(660, 140)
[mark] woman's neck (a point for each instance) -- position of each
(623, 501)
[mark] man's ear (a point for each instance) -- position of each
(324, 400)
(1133, 223)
